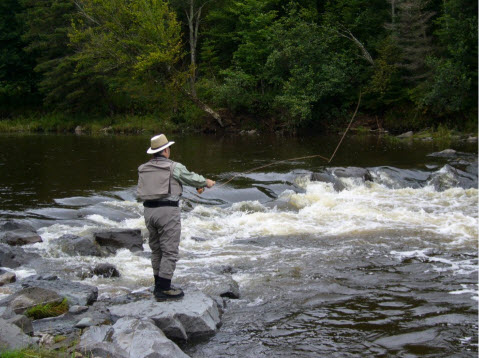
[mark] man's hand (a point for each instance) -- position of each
(210, 183)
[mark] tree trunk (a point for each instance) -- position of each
(204, 107)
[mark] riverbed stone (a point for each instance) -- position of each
(20, 237)
(129, 337)
(7, 277)
(130, 239)
(21, 321)
(70, 323)
(13, 257)
(76, 293)
(223, 287)
(195, 315)
(78, 246)
(106, 270)
(12, 337)
(30, 297)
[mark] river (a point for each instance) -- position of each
(384, 267)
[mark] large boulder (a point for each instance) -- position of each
(129, 337)
(195, 315)
(130, 239)
(30, 297)
(12, 337)
(76, 293)
(13, 257)
(78, 246)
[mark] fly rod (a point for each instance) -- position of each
(200, 190)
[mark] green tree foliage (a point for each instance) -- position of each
(300, 62)
(17, 79)
(131, 46)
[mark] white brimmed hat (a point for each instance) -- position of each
(158, 143)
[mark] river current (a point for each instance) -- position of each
(364, 268)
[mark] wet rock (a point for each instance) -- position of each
(75, 245)
(20, 237)
(449, 177)
(106, 270)
(352, 172)
(224, 287)
(328, 178)
(78, 130)
(406, 135)
(472, 139)
(67, 324)
(102, 270)
(19, 320)
(424, 338)
(30, 297)
(7, 277)
(129, 337)
(446, 153)
(12, 337)
(15, 225)
(195, 315)
(120, 239)
(76, 293)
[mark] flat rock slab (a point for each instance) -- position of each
(129, 337)
(20, 237)
(194, 316)
(76, 293)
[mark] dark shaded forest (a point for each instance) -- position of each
(272, 64)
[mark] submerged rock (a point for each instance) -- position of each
(120, 239)
(328, 178)
(195, 315)
(446, 153)
(129, 337)
(75, 245)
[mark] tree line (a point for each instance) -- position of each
(280, 64)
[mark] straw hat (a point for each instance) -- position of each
(158, 143)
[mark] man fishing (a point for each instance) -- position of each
(160, 186)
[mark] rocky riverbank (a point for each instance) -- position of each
(132, 324)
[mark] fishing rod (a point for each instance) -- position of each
(201, 190)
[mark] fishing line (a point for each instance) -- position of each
(300, 158)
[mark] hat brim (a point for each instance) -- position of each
(156, 150)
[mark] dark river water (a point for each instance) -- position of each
(385, 267)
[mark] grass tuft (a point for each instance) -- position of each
(48, 310)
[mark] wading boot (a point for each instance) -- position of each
(164, 291)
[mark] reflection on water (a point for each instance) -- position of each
(380, 267)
